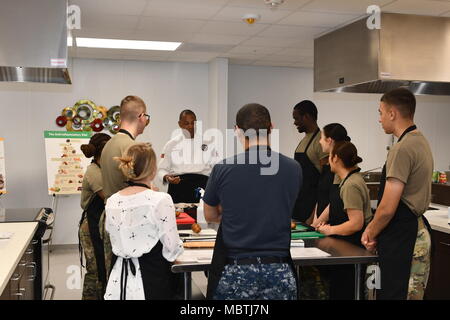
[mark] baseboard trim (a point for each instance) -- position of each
(63, 246)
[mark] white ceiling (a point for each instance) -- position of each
(213, 28)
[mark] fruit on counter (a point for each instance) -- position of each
(293, 225)
(177, 213)
(196, 228)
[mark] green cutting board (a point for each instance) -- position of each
(306, 235)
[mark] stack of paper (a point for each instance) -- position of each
(196, 256)
(308, 253)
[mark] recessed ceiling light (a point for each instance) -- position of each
(251, 18)
(127, 44)
(274, 3)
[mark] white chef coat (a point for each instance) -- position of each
(182, 156)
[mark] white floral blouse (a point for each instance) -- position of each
(135, 224)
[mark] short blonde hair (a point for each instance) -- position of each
(131, 107)
(138, 161)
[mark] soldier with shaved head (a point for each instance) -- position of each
(133, 120)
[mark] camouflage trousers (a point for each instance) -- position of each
(313, 286)
(274, 281)
(92, 287)
(106, 244)
(420, 266)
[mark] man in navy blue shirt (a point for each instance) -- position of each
(252, 196)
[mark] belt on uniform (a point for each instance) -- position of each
(257, 260)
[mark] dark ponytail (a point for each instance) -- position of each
(95, 146)
(346, 151)
(337, 132)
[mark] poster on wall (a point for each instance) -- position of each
(66, 163)
(2, 167)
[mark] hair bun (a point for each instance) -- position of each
(88, 150)
(347, 138)
(126, 164)
(357, 160)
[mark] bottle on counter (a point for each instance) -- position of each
(442, 177)
(435, 177)
(200, 214)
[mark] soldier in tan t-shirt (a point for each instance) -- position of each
(399, 232)
(348, 214)
(113, 179)
(92, 184)
(355, 195)
(133, 120)
(92, 203)
(310, 156)
(411, 161)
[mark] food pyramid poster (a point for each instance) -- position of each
(66, 163)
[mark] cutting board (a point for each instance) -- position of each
(199, 244)
(307, 234)
(184, 218)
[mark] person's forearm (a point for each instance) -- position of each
(345, 229)
(324, 216)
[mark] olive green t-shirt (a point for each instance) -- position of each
(113, 178)
(355, 195)
(411, 162)
(314, 152)
(92, 183)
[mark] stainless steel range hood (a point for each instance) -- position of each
(408, 51)
(33, 41)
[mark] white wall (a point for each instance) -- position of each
(279, 89)
(26, 110)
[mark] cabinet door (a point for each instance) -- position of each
(28, 270)
(439, 281)
(16, 293)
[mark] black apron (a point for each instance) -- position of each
(307, 197)
(341, 277)
(157, 278)
(219, 260)
(185, 191)
(396, 246)
(338, 215)
(93, 214)
(325, 185)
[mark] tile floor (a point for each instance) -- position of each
(65, 274)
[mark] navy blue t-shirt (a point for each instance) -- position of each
(257, 194)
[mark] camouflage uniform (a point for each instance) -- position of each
(92, 287)
(313, 286)
(273, 281)
(420, 266)
(106, 244)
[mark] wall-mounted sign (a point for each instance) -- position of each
(66, 163)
